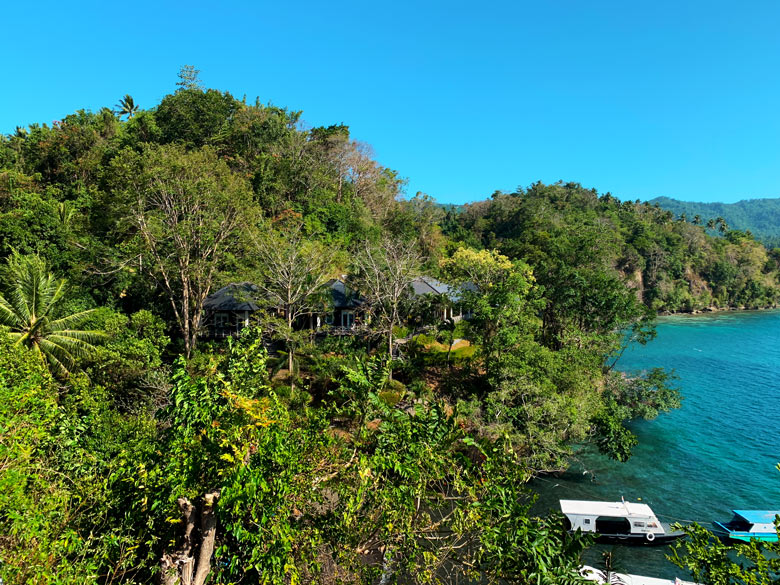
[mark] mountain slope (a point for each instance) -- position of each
(760, 216)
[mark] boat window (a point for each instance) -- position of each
(586, 521)
(612, 525)
(639, 524)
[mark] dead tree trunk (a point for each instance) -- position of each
(182, 567)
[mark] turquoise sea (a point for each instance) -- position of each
(716, 453)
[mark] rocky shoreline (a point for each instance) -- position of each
(714, 309)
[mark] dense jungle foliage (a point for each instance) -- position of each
(134, 449)
(564, 231)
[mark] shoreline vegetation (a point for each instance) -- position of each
(716, 309)
(137, 447)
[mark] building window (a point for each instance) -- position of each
(347, 319)
(221, 320)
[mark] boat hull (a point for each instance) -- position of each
(727, 537)
(753, 536)
(639, 539)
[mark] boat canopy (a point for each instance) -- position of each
(758, 516)
(614, 509)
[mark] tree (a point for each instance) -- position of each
(293, 270)
(497, 293)
(242, 479)
(187, 210)
(195, 118)
(382, 274)
(129, 363)
(126, 107)
(373, 184)
(29, 307)
(424, 500)
(189, 78)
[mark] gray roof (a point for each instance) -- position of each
(425, 285)
(234, 297)
(341, 296)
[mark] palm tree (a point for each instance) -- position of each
(126, 106)
(29, 310)
(723, 227)
(711, 224)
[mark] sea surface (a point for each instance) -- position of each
(716, 453)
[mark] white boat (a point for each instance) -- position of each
(624, 522)
(597, 576)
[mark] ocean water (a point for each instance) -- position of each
(716, 453)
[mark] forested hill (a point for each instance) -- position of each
(569, 233)
(760, 216)
(148, 437)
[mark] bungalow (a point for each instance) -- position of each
(447, 297)
(229, 310)
(345, 307)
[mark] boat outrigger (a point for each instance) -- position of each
(623, 522)
(748, 524)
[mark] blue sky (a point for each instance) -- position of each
(638, 98)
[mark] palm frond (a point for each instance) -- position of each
(59, 359)
(20, 303)
(33, 289)
(70, 321)
(89, 338)
(8, 316)
(33, 297)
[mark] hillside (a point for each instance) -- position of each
(344, 454)
(760, 216)
(572, 237)
(376, 450)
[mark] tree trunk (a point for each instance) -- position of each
(290, 351)
(181, 567)
(390, 352)
(208, 534)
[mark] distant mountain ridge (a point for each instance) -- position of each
(760, 216)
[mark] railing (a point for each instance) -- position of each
(221, 333)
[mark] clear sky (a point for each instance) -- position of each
(640, 98)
